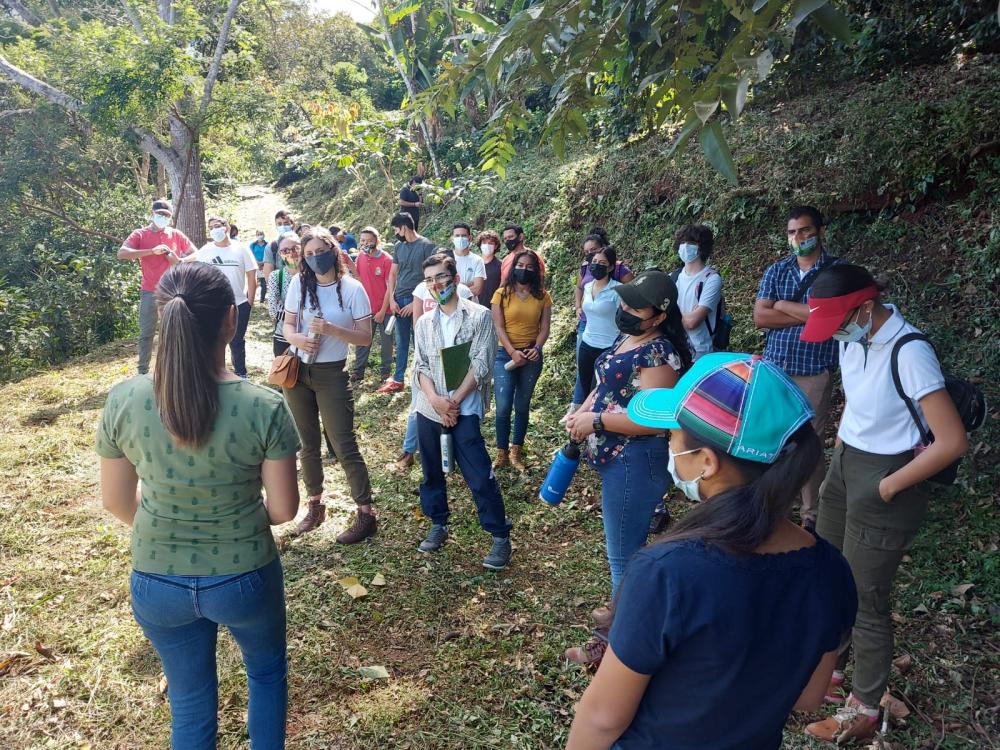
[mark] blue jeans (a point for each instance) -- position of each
(181, 616)
(403, 332)
(579, 394)
(513, 393)
(631, 486)
(470, 454)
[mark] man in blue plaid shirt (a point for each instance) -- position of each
(781, 311)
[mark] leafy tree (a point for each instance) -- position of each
(669, 63)
(132, 69)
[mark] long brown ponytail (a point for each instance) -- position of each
(193, 299)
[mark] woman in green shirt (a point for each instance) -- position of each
(204, 443)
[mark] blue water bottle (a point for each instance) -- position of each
(560, 475)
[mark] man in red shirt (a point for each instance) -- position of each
(157, 247)
(513, 240)
(373, 267)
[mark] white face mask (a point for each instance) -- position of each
(488, 250)
(218, 234)
(687, 251)
(853, 332)
(160, 222)
(460, 243)
(688, 486)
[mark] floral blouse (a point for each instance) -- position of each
(617, 382)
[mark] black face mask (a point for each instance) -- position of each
(511, 244)
(524, 275)
(323, 263)
(400, 237)
(598, 271)
(629, 324)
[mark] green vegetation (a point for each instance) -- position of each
(892, 135)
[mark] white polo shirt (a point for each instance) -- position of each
(875, 418)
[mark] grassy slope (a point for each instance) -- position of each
(475, 659)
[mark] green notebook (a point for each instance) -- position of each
(456, 361)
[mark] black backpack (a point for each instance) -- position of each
(969, 402)
(723, 328)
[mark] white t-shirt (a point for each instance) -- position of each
(470, 268)
(601, 330)
(234, 261)
(688, 299)
(420, 292)
(875, 418)
(356, 307)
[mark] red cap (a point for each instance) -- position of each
(827, 313)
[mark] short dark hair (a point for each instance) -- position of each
(813, 213)
(416, 179)
(699, 235)
(283, 214)
(517, 228)
(438, 259)
(402, 219)
(334, 229)
(461, 225)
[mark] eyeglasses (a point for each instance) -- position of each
(441, 278)
(289, 249)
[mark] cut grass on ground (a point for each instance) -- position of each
(474, 658)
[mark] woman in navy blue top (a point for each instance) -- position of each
(708, 645)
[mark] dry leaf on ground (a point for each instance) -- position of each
(357, 591)
(348, 581)
(374, 673)
(378, 580)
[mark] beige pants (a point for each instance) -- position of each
(818, 389)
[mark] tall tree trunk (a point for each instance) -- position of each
(186, 188)
(161, 180)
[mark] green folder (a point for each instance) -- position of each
(456, 362)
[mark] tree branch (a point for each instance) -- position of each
(28, 81)
(220, 47)
(133, 17)
(15, 6)
(147, 139)
(10, 112)
(28, 206)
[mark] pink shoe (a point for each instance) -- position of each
(391, 386)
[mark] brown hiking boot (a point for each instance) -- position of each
(404, 462)
(602, 617)
(589, 654)
(501, 460)
(849, 723)
(315, 515)
(363, 527)
(517, 457)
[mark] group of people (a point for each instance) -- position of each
(712, 606)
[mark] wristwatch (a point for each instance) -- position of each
(598, 424)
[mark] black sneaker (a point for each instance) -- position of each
(435, 538)
(499, 555)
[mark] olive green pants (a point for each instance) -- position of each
(873, 535)
(324, 389)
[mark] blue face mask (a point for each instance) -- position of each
(853, 332)
(218, 234)
(460, 243)
(687, 251)
(688, 486)
(806, 247)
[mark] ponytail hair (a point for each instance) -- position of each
(739, 520)
(193, 300)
